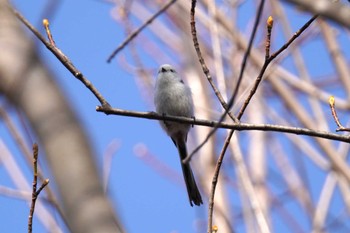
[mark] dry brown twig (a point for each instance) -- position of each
(20, 141)
(35, 191)
(260, 218)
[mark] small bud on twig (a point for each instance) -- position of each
(47, 29)
(269, 22)
(331, 102)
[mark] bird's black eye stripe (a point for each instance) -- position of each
(164, 69)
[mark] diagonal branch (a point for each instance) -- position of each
(62, 58)
(135, 33)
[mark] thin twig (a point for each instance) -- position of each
(202, 62)
(295, 36)
(335, 116)
(303, 72)
(262, 224)
(210, 80)
(20, 141)
(268, 60)
(35, 192)
(137, 31)
(215, 181)
(227, 106)
(48, 32)
(42, 186)
(35, 179)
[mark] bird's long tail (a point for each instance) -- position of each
(192, 189)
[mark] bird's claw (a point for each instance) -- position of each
(194, 119)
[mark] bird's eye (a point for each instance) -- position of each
(163, 70)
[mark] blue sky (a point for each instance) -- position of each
(144, 200)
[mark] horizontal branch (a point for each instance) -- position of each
(235, 126)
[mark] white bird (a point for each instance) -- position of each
(172, 97)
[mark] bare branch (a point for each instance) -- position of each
(223, 125)
(35, 192)
(34, 197)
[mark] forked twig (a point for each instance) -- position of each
(269, 59)
(226, 106)
(35, 192)
(263, 225)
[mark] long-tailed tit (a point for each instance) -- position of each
(173, 97)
